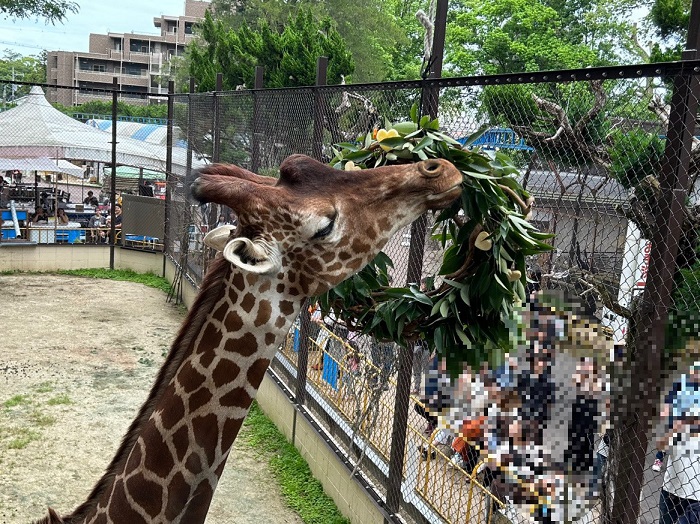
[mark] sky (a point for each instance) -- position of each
(29, 37)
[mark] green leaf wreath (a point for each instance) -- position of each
(466, 311)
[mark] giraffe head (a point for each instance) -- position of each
(316, 225)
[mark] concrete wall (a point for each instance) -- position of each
(54, 257)
(351, 499)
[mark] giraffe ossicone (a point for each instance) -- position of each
(297, 236)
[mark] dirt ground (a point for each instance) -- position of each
(77, 358)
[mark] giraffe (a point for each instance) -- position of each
(297, 236)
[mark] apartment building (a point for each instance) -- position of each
(140, 62)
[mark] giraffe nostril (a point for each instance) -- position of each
(430, 168)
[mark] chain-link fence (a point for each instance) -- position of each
(577, 424)
(595, 415)
(57, 170)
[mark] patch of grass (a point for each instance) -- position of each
(42, 419)
(148, 362)
(44, 387)
(147, 279)
(301, 491)
(17, 400)
(22, 437)
(59, 399)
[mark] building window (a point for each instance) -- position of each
(188, 28)
(99, 68)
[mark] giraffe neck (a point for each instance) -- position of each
(172, 462)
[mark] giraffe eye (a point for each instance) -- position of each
(321, 233)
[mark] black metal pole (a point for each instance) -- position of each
(413, 276)
(254, 145)
(190, 125)
(113, 193)
(303, 356)
(646, 338)
(321, 80)
(216, 132)
(168, 167)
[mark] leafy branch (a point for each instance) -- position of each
(465, 311)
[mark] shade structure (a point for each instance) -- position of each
(49, 165)
(36, 129)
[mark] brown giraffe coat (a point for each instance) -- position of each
(297, 237)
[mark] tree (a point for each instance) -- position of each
(288, 53)
(52, 10)
(372, 31)
(14, 66)
(669, 19)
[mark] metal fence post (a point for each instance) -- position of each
(647, 330)
(321, 80)
(254, 145)
(429, 105)
(168, 166)
(216, 131)
(113, 193)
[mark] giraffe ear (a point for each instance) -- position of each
(217, 238)
(256, 256)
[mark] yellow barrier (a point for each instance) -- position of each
(345, 386)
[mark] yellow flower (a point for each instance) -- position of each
(350, 166)
(483, 241)
(513, 275)
(383, 133)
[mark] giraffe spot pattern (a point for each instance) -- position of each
(189, 378)
(245, 345)
(248, 302)
(179, 491)
(175, 410)
(206, 434)
(264, 313)
(226, 370)
(200, 398)
(180, 442)
(152, 502)
(193, 463)
(237, 397)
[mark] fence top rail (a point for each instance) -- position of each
(660, 69)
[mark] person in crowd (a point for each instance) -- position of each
(683, 393)
(146, 189)
(95, 234)
(383, 355)
(232, 219)
(583, 424)
(118, 216)
(680, 491)
(40, 215)
(221, 221)
(536, 388)
(421, 362)
(90, 199)
(61, 217)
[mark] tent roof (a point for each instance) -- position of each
(41, 164)
(151, 133)
(36, 129)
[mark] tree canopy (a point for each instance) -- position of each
(14, 66)
(372, 31)
(288, 53)
(51, 10)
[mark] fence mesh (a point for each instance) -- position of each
(586, 413)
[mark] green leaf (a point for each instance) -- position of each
(413, 113)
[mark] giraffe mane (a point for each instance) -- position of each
(210, 292)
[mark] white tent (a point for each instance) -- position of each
(36, 129)
(48, 165)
